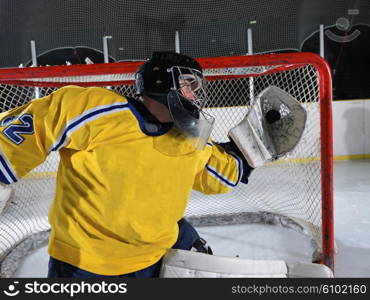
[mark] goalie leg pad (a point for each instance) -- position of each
(188, 264)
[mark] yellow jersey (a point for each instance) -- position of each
(119, 190)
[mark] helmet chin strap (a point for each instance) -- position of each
(189, 107)
(186, 116)
(159, 97)
(162, 99)
(157, 109)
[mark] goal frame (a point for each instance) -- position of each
(24, 76)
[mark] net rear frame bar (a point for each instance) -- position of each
(44, 77)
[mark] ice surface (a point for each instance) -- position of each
(352, 225)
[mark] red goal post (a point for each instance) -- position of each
(299, 187)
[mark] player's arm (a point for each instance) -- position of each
(223, 171)
(232, 149)
(21, 145)
(30, 132)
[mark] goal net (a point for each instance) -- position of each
(296, 189)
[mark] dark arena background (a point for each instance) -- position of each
(69, 30)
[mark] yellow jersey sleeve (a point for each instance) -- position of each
(222, 172)
(30, 132)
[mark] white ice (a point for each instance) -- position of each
(352, 225)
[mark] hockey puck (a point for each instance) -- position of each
(272, 116)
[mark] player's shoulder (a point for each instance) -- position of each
(94, 94)
(106, 93)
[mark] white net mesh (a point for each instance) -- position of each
(290, 187)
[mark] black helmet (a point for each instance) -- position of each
(154, 78)
(176, 80)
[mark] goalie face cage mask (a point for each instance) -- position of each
(186, 101)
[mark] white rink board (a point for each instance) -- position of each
(351, 124)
